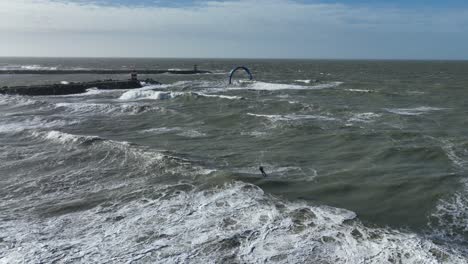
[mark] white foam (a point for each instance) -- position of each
(162, 130)
(233, 223)
(9, 67)
(133, 95)
(16, 100)
(230, 97)
(291, 173)
(303, 81)
(359, 90)
(37, 67)
(191, 133)
(450, 150)
(450, 219)
(32, 123)
(364, 117)
(254, 133)
(264, 86)
(106, 108)
(292, 117)
(65, 138)
(414, 111)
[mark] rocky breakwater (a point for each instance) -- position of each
(73, 88)
(92, 71)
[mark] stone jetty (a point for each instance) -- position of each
(140, 71)
(73, 87)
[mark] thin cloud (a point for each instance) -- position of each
(268, 26)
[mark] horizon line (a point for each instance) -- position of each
(228, 58)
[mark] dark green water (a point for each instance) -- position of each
(385, 140)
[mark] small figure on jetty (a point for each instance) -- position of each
(134, 76)
(262, 171)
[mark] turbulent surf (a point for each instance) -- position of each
(365, 166)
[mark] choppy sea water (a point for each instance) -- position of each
(366, 162)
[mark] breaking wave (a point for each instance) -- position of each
(237, 222)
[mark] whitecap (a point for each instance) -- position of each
(230, 97)
(38, 67)
(291, 173)
(65, 138)
(413, 111)
(292, 117)
(364, 117)
(147, 95)
(105, 108)
(16, 100)
(32, 123)
(303, 81)
(162, 130)
(359, 90)
(191, 133)
(254, 133)
(278, 86)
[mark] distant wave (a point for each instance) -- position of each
(278, 86)
(37, 67)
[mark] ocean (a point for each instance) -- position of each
(366, 162)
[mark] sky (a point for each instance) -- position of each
(320, 29)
